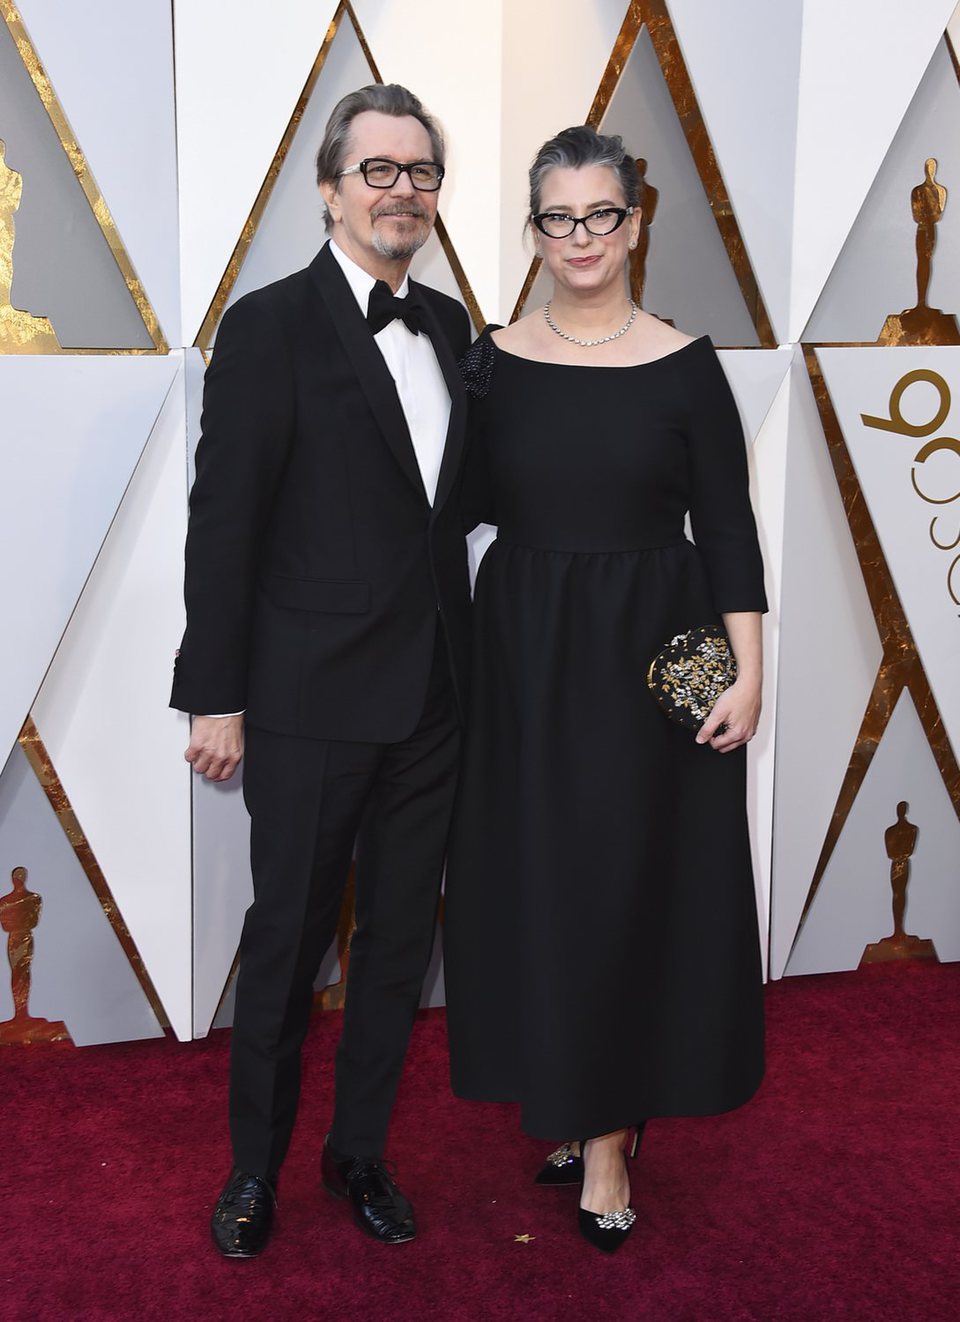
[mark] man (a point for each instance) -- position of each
(327, 597)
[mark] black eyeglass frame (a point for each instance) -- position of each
(621, 213)
(362, 166)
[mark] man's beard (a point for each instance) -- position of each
(401, 247)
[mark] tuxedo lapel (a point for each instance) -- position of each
(367, 360)
(453, 445)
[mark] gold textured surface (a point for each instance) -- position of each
(252, 223)
(653, 15)
(900, 665)
(46, 773)
(20, 332)
(81, 169)
(20, 912)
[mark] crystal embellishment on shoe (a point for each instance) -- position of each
(563, 1166)
(617, 1220)
(606, 1231)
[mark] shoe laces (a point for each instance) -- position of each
(247, 1194)
(383, 1172)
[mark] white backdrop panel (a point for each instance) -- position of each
(852, 907)
(689, 278)
(821, 699)
(554, 56)
(860, 65)
(919, 538)
(749, 104)
(440, 50)
(291, 228)
(111, 65)
(240, 69)
(768, 474)
(73, 432)
(103, 714)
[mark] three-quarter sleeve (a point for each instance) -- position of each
(721, 516)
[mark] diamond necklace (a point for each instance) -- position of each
(589, 344)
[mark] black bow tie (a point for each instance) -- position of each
(385, 307)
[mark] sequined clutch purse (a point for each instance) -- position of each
(689, 674)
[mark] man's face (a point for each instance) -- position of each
(378, 226)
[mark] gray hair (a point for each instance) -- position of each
(579, 146)
(386, 99)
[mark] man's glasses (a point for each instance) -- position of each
(381, 172)
(560, 224)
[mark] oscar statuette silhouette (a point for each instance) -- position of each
(923, 324)
(649, 196)
(19, 331)
(19, 915)
(901, 841)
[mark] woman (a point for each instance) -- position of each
(602, 949)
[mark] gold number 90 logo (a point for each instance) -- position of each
(897, 423)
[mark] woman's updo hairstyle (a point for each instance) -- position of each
(579, 146)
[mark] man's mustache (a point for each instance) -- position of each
(400, 209)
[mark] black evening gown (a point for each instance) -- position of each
(601, 946)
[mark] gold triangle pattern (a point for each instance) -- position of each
(900, 665)
(46, 773)
(653, 15)
(88, 184)
(237, 257)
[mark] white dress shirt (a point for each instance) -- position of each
(416, 373)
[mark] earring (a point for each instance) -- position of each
(633, 244)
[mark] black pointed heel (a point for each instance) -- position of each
(609, 1231)
(564, 1167)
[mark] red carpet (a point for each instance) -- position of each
(833, 1195)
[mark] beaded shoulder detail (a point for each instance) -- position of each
(476, 366)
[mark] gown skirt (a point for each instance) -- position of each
(601, 942)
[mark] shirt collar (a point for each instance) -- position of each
(359, 280)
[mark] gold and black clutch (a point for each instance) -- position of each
(687, 677)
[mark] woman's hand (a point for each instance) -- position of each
(736, 712)
(738, 709)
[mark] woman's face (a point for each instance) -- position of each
(584, 262)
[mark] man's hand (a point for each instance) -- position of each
(216, 746)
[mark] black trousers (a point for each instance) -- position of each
(309, 801)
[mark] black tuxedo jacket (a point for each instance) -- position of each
(317, 572)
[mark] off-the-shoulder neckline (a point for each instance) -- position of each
(592, 367)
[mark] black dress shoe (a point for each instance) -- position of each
(379, 1208)
(243, 1218)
